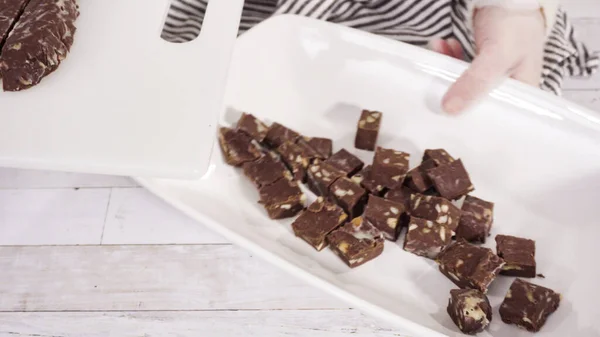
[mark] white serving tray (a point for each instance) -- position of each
(125, 101)
(535, 155)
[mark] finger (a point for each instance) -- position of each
(440, 46)
(457, 49)
(529, 71)
(486, 71)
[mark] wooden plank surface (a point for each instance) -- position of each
(293, 323)
(167, 277)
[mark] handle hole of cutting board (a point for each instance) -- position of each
(184, 20)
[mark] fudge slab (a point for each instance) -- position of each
(253, 127)
(470, 310)
(436, 209)
(390, 167)
(476, 220)
(282, 199)
(469, 266)
(519, 255)
(345, 162)
(356, 242)
(368, 130)
(451, 180)
(315, 223)
(237, 147)
(385, 215)
(426, 238)
(350, 196)
(528, 305)
(38, 43)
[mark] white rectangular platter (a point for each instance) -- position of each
(536, 156)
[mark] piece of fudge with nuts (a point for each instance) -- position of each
(345, 162)
(519, 255)
(426, 238)
(470, 310)
(237, 147)
(469, 266)
(320, 176)
(417, 178)
(368, 130)
(356, 242)
(317, 221)
(364, 178)
(438, 156)
(278, 134)
(318, 147)
(451, 180)
(386, 215)
(390, 167)
(282, 199)
(253, 127)
(436, 209)
(296, 158)
(528, 305)
(266, 170)
(350, 196)
(476, 220)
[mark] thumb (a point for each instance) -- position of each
(484, 73)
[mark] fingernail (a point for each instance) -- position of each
(453, 105)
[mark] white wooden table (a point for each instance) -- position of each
(85, 255)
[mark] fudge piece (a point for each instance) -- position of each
(265, 170)
(350, 196)
(237, 147)
(519, 255)
(469, 266)
(451, 180)
(438, 156)
(278, 134)
(320, 176)
(356, 242)
(316, 222)
(345, 162)
(417, 179)
(38, 43)
(368, 130)
(9, 12)
(321, 147)
(476, 220)
(385, 215)
(252, 126)
(426, 238)
(390, 167)
(401, 195)
(364, 179)
(528, 305)
(296, 159)
(436, 209)
(470, 310)
(282, 199)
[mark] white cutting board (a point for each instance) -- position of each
(125, 101)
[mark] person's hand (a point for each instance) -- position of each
(508, 43)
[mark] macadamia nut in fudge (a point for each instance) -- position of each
(470, 310)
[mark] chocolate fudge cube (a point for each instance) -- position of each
(253, 127)
(345, 162)
(385, 215)
(390, 167)
(321, 147)
(519, 255)
(350, 196)
(320, 176)
(436, 209)
(278, 134)
(282, 199)
(266, 170)
(364, 179)
(438, 156)
(296, 159)
(417, 178)
(316, 222)
(470, 310)
(401, 195)
(368, 130)
(426, 238)
(237, 147)
(451, 180)
(528, 305)
(469, 266)
(476, 220)
(356, 242)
